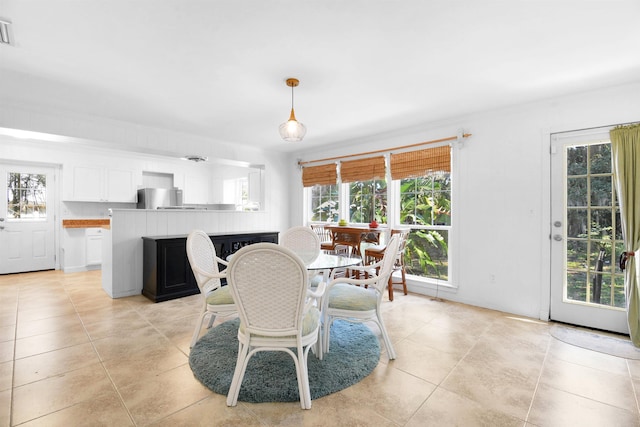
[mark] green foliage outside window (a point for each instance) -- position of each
(324, 203)
(368, 201)
(426, 202)
(594, 233)
(425, 206)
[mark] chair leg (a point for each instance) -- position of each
(196, 332)
(390, 286)
(391, 353)
(403, 271)
(318, 347)
(211, 320)
(238, 375)
(303, 378)
(327, 330)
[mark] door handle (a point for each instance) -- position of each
(557, 237)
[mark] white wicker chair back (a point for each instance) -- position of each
(269, 284)
(204, 261)
(303, 241)
(388, 263)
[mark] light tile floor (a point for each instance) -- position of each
(72, 356)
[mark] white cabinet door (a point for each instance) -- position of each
(94, 246)
(120, 186)
(86, 183)
(196, 188)
(99, 184)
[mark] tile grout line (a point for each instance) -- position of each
(13, 360)
(104, 368)
(535, 390)
(633, 387)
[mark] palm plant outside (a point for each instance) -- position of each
(426, 202)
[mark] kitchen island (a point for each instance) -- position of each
(166, 270)
(123, 247)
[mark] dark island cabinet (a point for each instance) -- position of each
(166, 271)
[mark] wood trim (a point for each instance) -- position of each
(386, 150)
(86, 223)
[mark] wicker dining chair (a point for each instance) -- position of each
(358, 300)
(325, 235)
(376, 252)
(269, 284)
(303, 241)
(217, 300)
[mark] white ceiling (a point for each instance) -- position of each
(217, 68)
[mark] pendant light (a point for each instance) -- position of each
(292, 130)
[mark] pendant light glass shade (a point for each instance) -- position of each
(292, 130)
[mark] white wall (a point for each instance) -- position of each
(500, 247)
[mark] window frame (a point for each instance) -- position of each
(393, 217)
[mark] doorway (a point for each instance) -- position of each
(27, 218)
(587, 288)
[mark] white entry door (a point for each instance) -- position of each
(587, 287)
(27, 232)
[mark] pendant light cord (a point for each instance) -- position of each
(292, 97)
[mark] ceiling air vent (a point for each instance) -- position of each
(195, 158)
(6, 35)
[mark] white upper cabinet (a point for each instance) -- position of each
(85, 183)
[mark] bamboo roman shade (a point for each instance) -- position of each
(414, 164)
(362, 169)
(319, 175)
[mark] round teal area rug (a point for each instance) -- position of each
(271, 376)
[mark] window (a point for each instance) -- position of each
(420, 193)
(425, 204)
(26, 196)
(325, 204)
(368, 201)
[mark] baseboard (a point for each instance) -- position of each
(82, 268)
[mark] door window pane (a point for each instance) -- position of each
(600, 158)
(577, 191)
(601, 191)
(26, 196)
(577, 160)
(594, 239)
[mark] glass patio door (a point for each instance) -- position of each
(587, 287)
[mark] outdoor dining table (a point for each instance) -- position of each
(354, 236)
